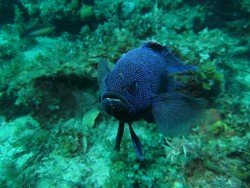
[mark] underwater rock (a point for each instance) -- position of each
(212, 116)
(90, 117)
(54, 182)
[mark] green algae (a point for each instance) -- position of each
(86, 13)
(52, 132)
(219, 128)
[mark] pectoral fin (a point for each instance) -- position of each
(136, 142)
(175, 113)
(119, 135)
(103, 71)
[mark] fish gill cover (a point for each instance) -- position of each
(53, 131)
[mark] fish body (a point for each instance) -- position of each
(140, 86)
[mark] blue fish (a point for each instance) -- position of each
(141, 86)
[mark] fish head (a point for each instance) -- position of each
(127, 90)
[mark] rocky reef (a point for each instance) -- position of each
(52, 130)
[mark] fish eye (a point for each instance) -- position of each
(132, 87)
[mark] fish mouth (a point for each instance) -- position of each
(115, 104)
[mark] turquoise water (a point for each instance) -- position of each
(53, 132)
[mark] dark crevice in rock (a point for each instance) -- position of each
(56, 96)
(52, 100)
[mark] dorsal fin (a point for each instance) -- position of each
(103, 70)
(173, 64)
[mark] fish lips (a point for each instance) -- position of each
(115, 104)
